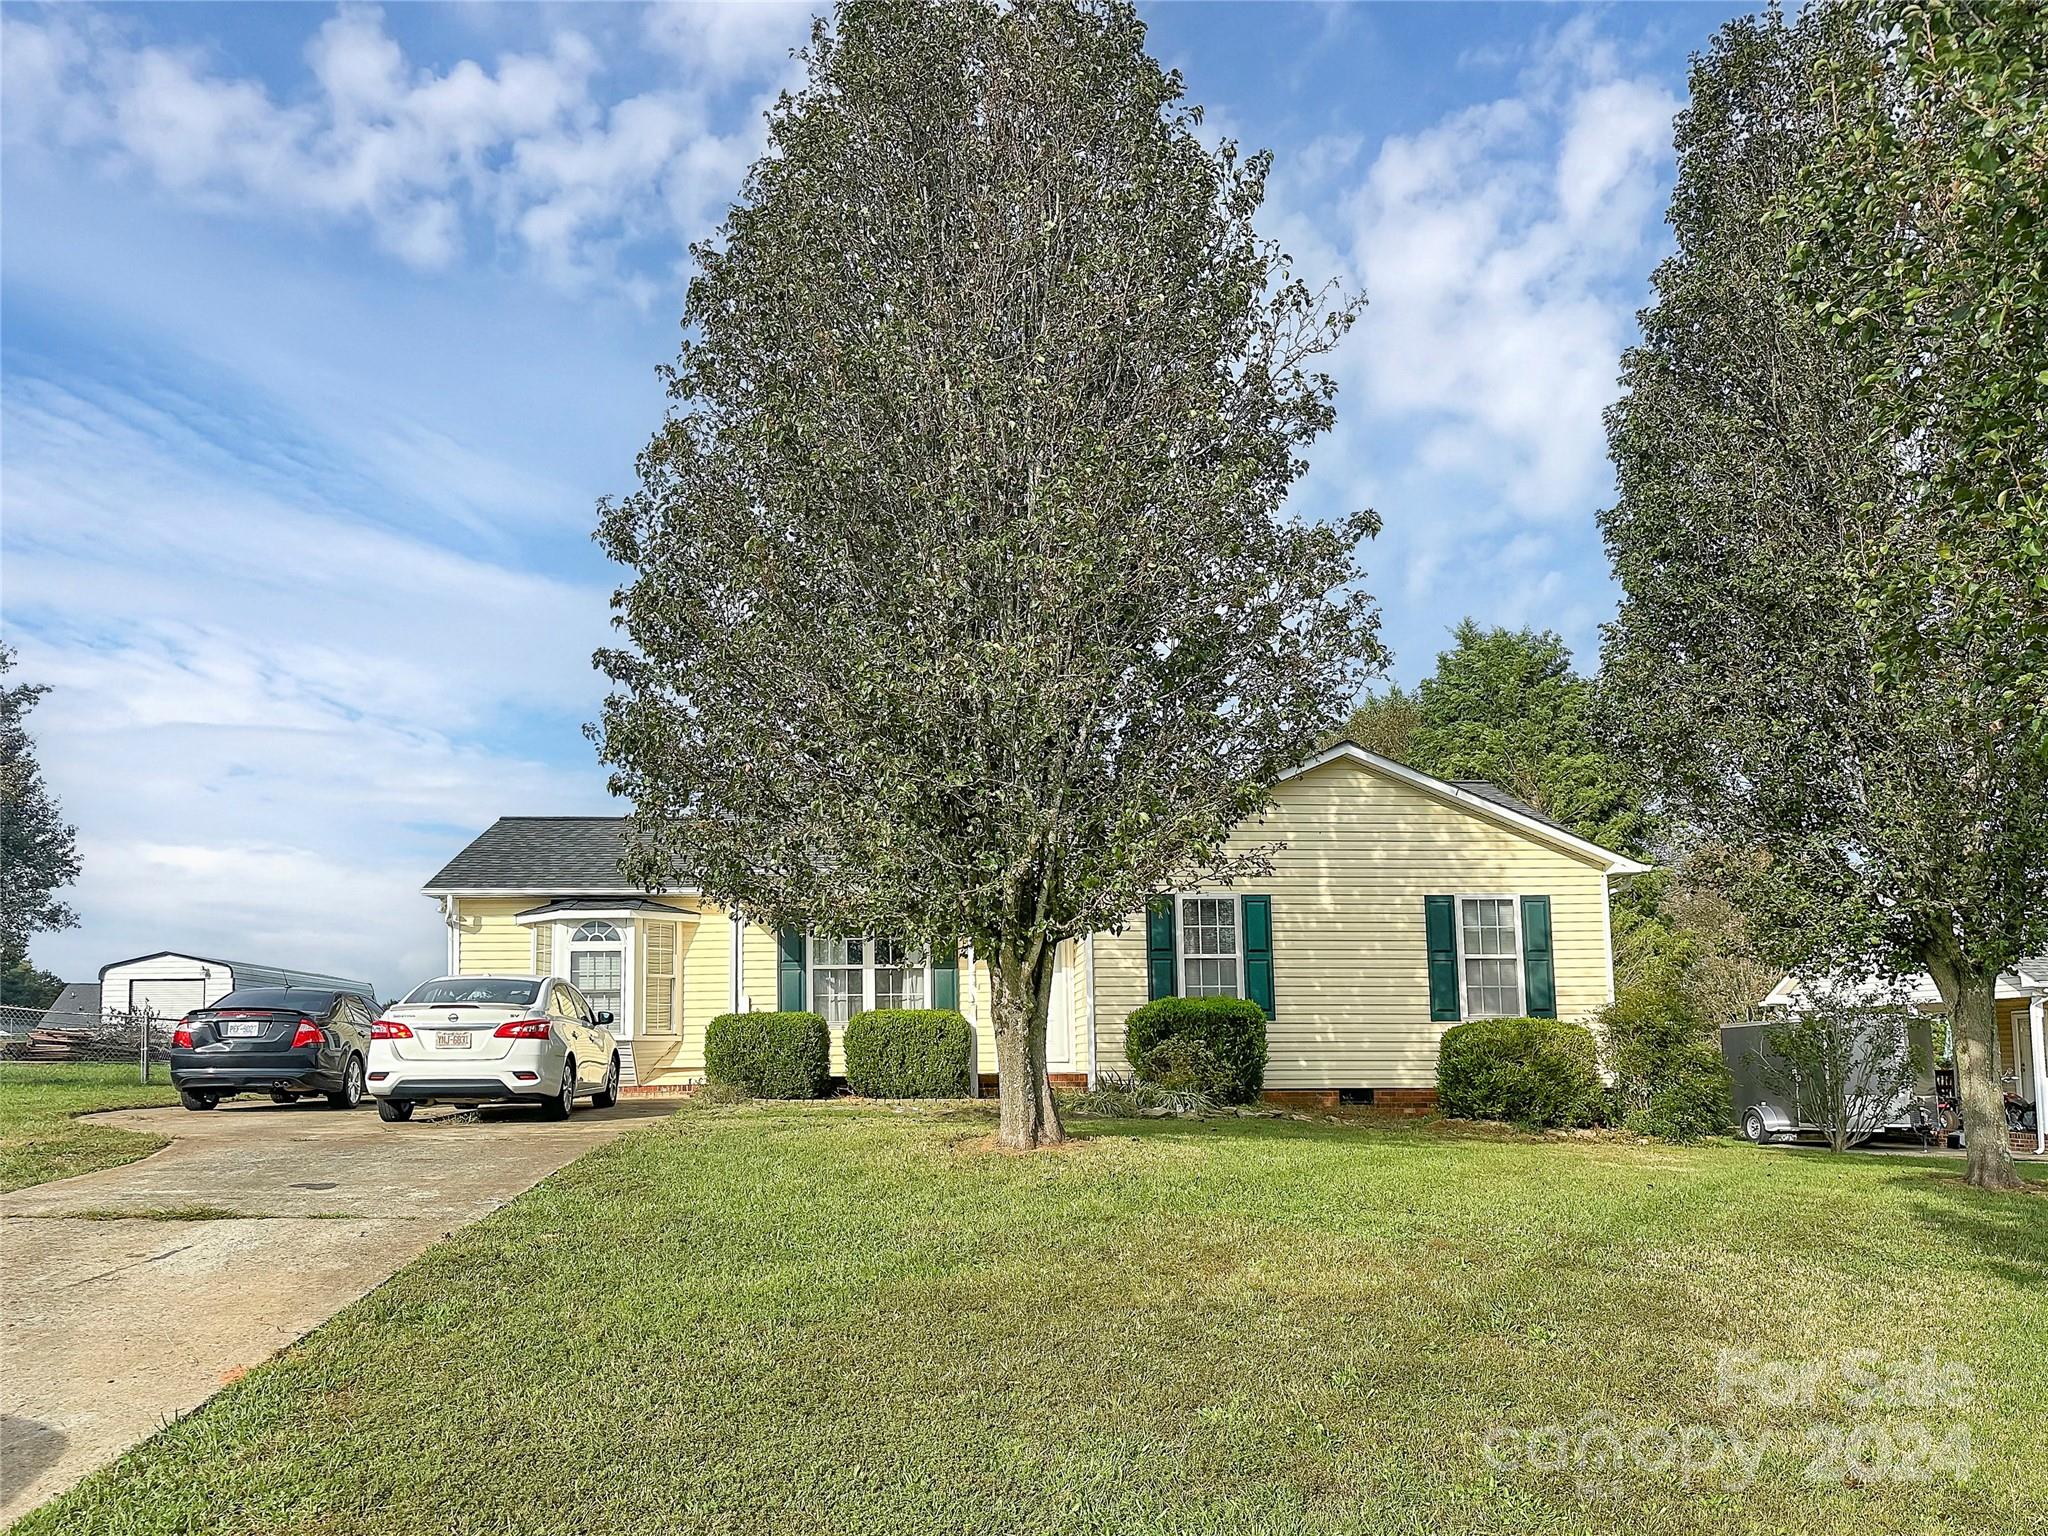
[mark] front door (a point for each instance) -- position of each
(1059, 1021)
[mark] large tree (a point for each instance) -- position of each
(962, 607)
(1923, 225)
(1764, 538)
(38, 849)
(1506, 705)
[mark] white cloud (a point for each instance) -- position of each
(267, 714)
(527, 145)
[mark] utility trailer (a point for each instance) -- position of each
(1766, 1111)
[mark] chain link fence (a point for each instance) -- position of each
(140, 1038)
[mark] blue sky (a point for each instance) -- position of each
(321, 332)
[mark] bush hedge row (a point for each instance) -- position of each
(770, 1055)
(1530, 1072)
(909, 1053)
(1215, 1046)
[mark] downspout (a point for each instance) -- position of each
(2035, 1011)
(451, 919)
(739, 959)
(974, 1020)
(1088, 944)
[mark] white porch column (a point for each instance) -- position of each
(2035, 1012)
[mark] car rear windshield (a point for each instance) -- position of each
(502, 990)
(304, 999)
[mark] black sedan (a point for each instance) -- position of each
(290, 1042)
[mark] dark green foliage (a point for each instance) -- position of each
(1530, 1072)
(38, 848)
(909, 1053)
(24, 985)
(1180, 1064)
(1669, 1078)
(770, 1055)
(1230, 1031)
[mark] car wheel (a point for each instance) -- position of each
(1753, 1128)
(391, 1111)
(279, 1096)
(193, 1100)
(563, 1104)
(608, 1095)
(351, 1091)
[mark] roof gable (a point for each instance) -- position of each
(1487, 801)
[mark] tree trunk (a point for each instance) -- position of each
(1970, 992)
(1019, 991)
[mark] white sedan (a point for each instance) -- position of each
(492, 1040)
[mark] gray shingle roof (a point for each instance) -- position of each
(80, 1000)
(604, 904)
(1490, 791)
(540, 853)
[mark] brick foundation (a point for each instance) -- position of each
(1325, 1100)
(992, 1084)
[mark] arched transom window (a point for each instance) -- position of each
(597, 967)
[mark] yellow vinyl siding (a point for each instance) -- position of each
(544, 949)
(1350, 964)
(492, 942)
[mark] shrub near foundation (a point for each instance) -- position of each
(909, 1053)
(770, 1055)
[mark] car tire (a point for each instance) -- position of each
(1754, 1130)
(392, 1111)
(197, 1101)
(279, 1096)
(563, 1104)
(608, 1095)
(350, 1094)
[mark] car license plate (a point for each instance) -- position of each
(240, 1029)
(454, 1039)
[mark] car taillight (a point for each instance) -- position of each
(181, 1037)
(522, 1029)
(389, 1029)
(308, 1033)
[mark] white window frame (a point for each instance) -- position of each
(565, 947)
(1180, 948)
(867, 942)
(1520, 956)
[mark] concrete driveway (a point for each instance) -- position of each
(88, 1364)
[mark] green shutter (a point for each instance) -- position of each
(946, 978)
(1258, 951)
(1539, 972)
(789, 971)
(1159, 947)
(1440, 920)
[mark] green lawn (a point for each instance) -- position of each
(827, 1319)
(39, 1139)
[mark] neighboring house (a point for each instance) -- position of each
(2020, 1000)
(170, 984)
(76, 1005)
(1398, 905)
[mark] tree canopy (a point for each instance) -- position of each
(1876, 806)
(38, 848)
(961, 605)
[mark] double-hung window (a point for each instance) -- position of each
(597, 967)
(1211, 955)
(1490, 957)
(849, 976)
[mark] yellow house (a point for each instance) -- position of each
(1397, 905)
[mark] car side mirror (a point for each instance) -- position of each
(604, 1019)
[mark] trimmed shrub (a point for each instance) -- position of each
(770, 1055)
(909, 1053)
(1669, 1079)
(1529, 1072)
(1230, 1032)
(1180, 1064)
